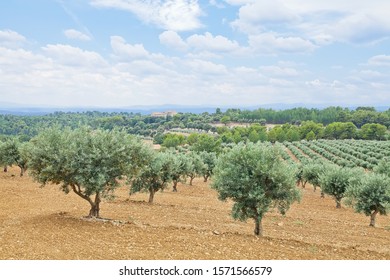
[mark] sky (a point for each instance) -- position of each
(123, 53)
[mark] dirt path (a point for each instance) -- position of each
(44, 223)
(294, 158)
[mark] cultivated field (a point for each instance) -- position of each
(44, 223)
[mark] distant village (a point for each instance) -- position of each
(164, 114)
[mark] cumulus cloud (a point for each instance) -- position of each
(177, 15)
(359, 29)
(59, 74)
(321, 21)
(211, 43)
(207, 67)
(10, 38)
(206, 45)
(264, 11)
(73, 56)
(172, 40)
(270, 43)
(379, 60)
(127, 51)
(76, 35)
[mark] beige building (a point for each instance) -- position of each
(163, 114)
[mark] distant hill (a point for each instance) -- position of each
(17, 109)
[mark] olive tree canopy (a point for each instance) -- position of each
(88, 162)
(255, 177)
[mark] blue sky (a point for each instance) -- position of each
(120, 53)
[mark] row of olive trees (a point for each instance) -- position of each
(366, 192)
(91, 163)
(172, 167)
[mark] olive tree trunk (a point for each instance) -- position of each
(258, 225)
(372, 218)
(175, 185)
(95, 204)
(151, 195)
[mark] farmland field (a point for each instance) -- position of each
(347, 153)
(44, 223)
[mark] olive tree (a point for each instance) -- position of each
(12, 152)
(88, 162)
(335, 180)
(299, 175)
(179, 167)
(255, 177)
(311, 173)
(196, 165)
(154, 176)
(370, 195)
(209, 159)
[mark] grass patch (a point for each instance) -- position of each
(298, 223)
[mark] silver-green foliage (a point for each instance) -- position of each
(311, 173)
(383, 167)
(195, 164)
(256, 179)
(14, 152)
(335, 180)
(89, 162)
(155, 175)
(370, 195)
(180, 165)
(209, 160)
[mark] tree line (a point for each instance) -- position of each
(27, 127)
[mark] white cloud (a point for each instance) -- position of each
(207, 67)
(321, 21)
(315, 83)
(10, 38)
(217, 4)
(176, 15)
(73, 56)
(360, 29)
(172, 40)
(379, 60)
(238, 2)
(133, 75)
(274, 70)
(76, 35)
(210, 43)
(271, 43)
(201, 45)
(127, 51)
(264, 11)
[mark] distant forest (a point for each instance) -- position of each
(291, 124)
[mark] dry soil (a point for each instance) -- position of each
(44, 223)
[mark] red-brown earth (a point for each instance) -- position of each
(44, 223)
